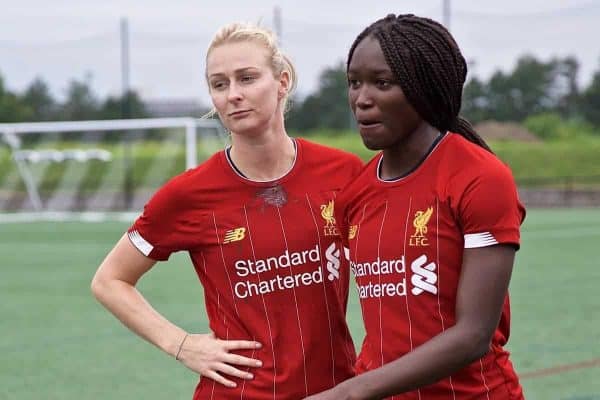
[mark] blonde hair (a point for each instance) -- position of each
(246, 32)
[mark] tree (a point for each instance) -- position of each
(128, 106)
(327, 107)
(590, 101)
(12, 109)
(523, 92)
(81, 103)
(532, 87)
(475, 104)
(566, 88)
(37, 96)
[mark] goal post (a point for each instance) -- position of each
(63, 169)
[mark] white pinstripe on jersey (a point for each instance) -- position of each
(487, 389)
(264, 304)
(357, 237)
(312, 212)
(203, 262)
(247, 370)
(439, 276)
(296, 304)
(408, 213)
(212, 392)
(379, 276)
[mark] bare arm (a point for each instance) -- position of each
(114, 286)
(481, 292)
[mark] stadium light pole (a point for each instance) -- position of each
(277, 23)
(126, 113)
(124, 28)
(446, 13)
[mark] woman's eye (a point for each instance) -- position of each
(353, 83)
(218, 85)
(248, 78)
(382, 83)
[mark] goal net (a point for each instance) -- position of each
(96, 169)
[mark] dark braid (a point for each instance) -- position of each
(429, 67)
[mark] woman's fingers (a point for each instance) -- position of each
(240, 344)
(232, 371)
(218, 378)
(211, 357)
(241, 360)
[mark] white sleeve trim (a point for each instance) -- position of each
(483, 239)
(139, 242)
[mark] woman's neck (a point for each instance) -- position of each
(263, 157)
(400, 159)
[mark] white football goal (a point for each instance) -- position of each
(96, 170)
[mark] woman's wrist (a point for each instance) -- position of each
(172, 341)
(180, 347)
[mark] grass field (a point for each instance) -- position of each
(58, 343)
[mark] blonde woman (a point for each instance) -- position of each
(257, 220)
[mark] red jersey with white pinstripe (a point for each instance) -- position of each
(271, 262)
(406, 239)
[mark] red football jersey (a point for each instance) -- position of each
(405, 242)
(270, 259)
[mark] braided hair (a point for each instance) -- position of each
(429, 66)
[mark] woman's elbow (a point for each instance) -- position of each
(98, 286)
(477, 342)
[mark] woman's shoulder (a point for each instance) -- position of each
(463, 155)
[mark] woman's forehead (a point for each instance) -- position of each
(368, 55)
(236, 56)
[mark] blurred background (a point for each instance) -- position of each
(134, 71)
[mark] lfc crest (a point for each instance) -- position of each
(327, 214)
(420, 222)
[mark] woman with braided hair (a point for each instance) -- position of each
(431, 223)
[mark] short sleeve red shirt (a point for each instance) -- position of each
(405, 241)
(269, 257)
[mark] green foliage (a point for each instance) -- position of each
(554, 159)
(476, 102)
(128, 106)
(590, 101)
(532, 87)
(552, 126)
(81, 103)
(37, 104)
(12, 109)
(327, 108)
(346, 140)
(38, 97)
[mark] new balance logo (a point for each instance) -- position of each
(352, 231)
(332, 255)
(234, 235)
(424, 277)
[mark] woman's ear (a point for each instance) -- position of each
(284, 84)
